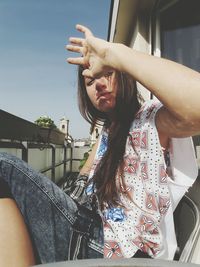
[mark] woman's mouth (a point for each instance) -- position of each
(105, 95)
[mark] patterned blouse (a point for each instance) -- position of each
(145, 195)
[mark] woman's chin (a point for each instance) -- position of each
(106, 109)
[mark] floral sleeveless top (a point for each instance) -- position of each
(145, 194)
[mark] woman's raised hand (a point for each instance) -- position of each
(94, 53)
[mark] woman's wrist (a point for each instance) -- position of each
(116, 55)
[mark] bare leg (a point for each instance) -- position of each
(15, 245)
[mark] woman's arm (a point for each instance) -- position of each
(89, 162)
(76, 189)
(175, 85)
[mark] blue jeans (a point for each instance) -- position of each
(60, 228)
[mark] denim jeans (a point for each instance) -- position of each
(60, 228)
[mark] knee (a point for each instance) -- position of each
(9, 164)
(5, 191)
(8, 161)
(4, 156)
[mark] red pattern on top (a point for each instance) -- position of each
(144, 192)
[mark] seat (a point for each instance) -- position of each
(186, 219)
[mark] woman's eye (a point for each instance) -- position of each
(108, 74)
(90, 82)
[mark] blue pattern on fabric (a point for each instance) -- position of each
(103, 146)
(115, 214)
(90, 189)
(100, 152)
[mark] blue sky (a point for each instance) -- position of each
(35, 79)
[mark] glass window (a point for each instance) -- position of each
(180, 33)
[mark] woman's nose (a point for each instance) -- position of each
(101, 83)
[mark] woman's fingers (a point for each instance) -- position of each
(76, 60)
(84, 30)
(87, 73)
(77, 41)
(74, 48)
(79, 45)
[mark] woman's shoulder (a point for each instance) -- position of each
(148, 109)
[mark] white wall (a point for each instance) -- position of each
(41, 159)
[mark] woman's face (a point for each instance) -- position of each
(102, 92)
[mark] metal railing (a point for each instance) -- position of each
(17, 133)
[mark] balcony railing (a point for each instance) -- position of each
(36, 145)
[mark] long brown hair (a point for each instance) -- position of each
(127, 105)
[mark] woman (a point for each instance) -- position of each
(123, 199)
(137, 187)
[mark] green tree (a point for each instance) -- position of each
(46, 122)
